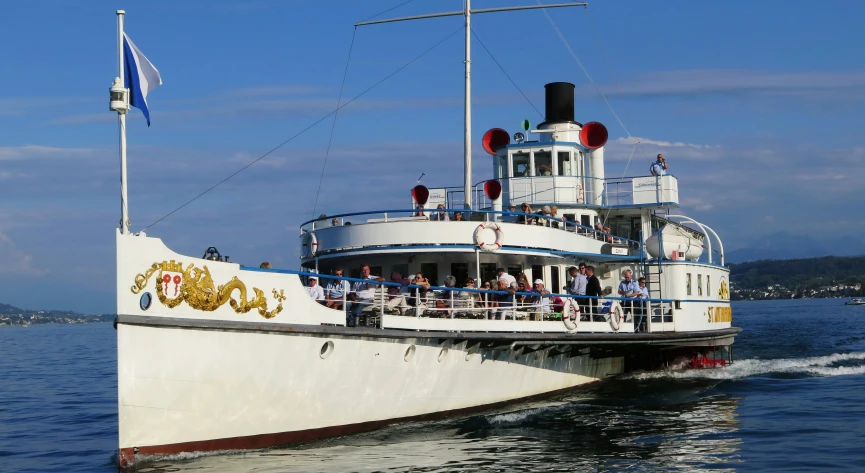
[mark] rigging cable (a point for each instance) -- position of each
(597, 89)
(615, 81)
(339, 100)
(506, 74)
(333, 126)
(313, 124)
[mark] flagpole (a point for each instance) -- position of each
(121, 117)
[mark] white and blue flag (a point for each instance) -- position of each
(140, 76)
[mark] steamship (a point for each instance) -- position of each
(215, 355)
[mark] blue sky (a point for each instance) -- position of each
(758, 107)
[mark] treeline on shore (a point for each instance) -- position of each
(827, 276)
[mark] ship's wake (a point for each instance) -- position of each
(837, 364)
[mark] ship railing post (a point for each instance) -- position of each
(344, 296)
(381, 299)
(417, 302)
(453, 312)
(385, 217)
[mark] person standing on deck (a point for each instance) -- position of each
(659, 167)
(628, 289)
(593, 289)
(577, 287)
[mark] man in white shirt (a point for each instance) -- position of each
(512, 281)
(659, 167)
(365, 293)
(577, 286)
(314, 290)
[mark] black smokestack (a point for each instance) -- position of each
(560, 102)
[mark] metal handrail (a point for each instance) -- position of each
(550, 219)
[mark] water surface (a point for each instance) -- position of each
(794, 400)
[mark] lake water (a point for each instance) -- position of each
(794, 400)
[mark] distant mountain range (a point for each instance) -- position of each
(11, 315)
(783, 246)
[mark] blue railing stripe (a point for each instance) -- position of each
(455, 289)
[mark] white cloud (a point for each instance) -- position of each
(15, 261)
(33, 152)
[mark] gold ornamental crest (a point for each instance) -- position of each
(174, 284)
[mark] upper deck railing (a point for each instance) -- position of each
(576, 190)
(400, 215)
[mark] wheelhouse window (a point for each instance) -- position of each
(537, 272)
(564, 163)
(688, 283)
(699, 284)
(521, 166)
(543, 163)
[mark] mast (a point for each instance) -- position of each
(467, 138)
(121, 118)
(467, 12)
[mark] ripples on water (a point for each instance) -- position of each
(792, 401)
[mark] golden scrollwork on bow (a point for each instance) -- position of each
(174, 284)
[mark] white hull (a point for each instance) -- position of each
(181, 386)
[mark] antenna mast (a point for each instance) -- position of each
(468, 12)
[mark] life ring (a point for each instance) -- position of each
(479, 241)
(571, 310)
(616, 316)
(310, 244)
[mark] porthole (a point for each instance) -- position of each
(145, 301)
(326, 350)
(409, 353)
(443, 354)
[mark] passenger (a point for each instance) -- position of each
(577, 287)
(641, 308)
(522, 299)
(364, 293)
(458, 217)
(541, 300)
(334, 222)
(526, 219)
(419, 295)
(347, 223)
(544, 170)
(315, 291)
(440, 215)
(512, 281)
(504, 302)
(336, 290)
(524, 280)
(448, 296)
(543, 216)
(508, 217)
(397, 296)
(599, 230)
(628, 289)
(659, 167)
(265, 265)
(609, 236)
(419, 212)
(555, 220)
(593, 289)
(473, 297)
